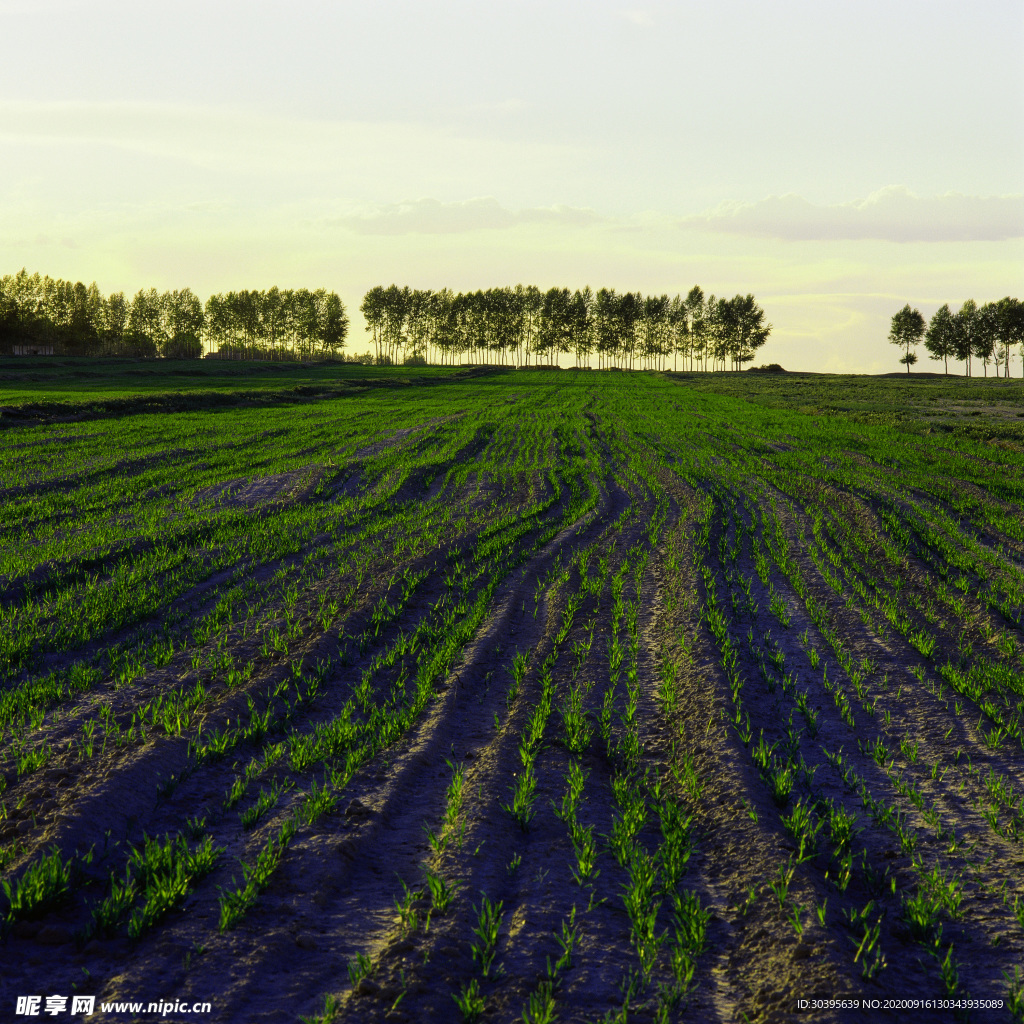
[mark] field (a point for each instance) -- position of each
(353, 694)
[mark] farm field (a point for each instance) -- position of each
(512, 695)
(67, 387)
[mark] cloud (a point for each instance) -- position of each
(892, 214)
(432, 217)
(339, 162)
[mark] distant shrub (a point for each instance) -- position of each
(767, 368)
(183, 346)
(135, 346)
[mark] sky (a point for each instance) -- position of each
(835, 159)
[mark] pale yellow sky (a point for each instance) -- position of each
(837, 163)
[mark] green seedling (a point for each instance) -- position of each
(1015, 994)
(359, 968)
(265, 802)
(470, 1001)
(576, 722)
(523, 795)
(441, 893)
(408, 917)
(488, 925)
(319, 801)
(166, 873)
(235, 904)
(585, 850)
(567, 938)
(780, 885)
(921, 912)
(540, 1007)
(47, 883)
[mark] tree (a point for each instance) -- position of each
(679, 329)
(712, 331)
(744, 328)
(555, 333)
(419, 324)
(1013, 326)
(966, 332)
(906, 332)
(988, 335)
(1008, 316)
(630, 307)
(183, 325)
(695, 311)
(145, 321)
(70, 315)
(581, 323)
(500, 324)
(392, 321)
(332, 322)
(276, 319)
(21, 307)
(319, 320)
(940, 339)
(653, 325)
(444, 322)
(606, 335)
(373, 310)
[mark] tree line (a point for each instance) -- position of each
(43, 314)
(986, 332)
(520, 324)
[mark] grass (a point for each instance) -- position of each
(166, 873)
(470, 1001)
(45, 884)
(237, 902)
(488, 924)
(441, 892)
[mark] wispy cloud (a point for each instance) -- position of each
(275, 153)
(892, 214)
(432, 217)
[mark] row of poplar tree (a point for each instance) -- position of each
(988, 332)
(43, 314)
(520, 324)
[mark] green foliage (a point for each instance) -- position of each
(46, 883)
(487, 927)
(68, 317)
(540, 1007)
(907, 330)
(288, 591)
(236, 903)
(470, 1001)
(319, 801)
(359, 968)
(165, 875)
(441, 892)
